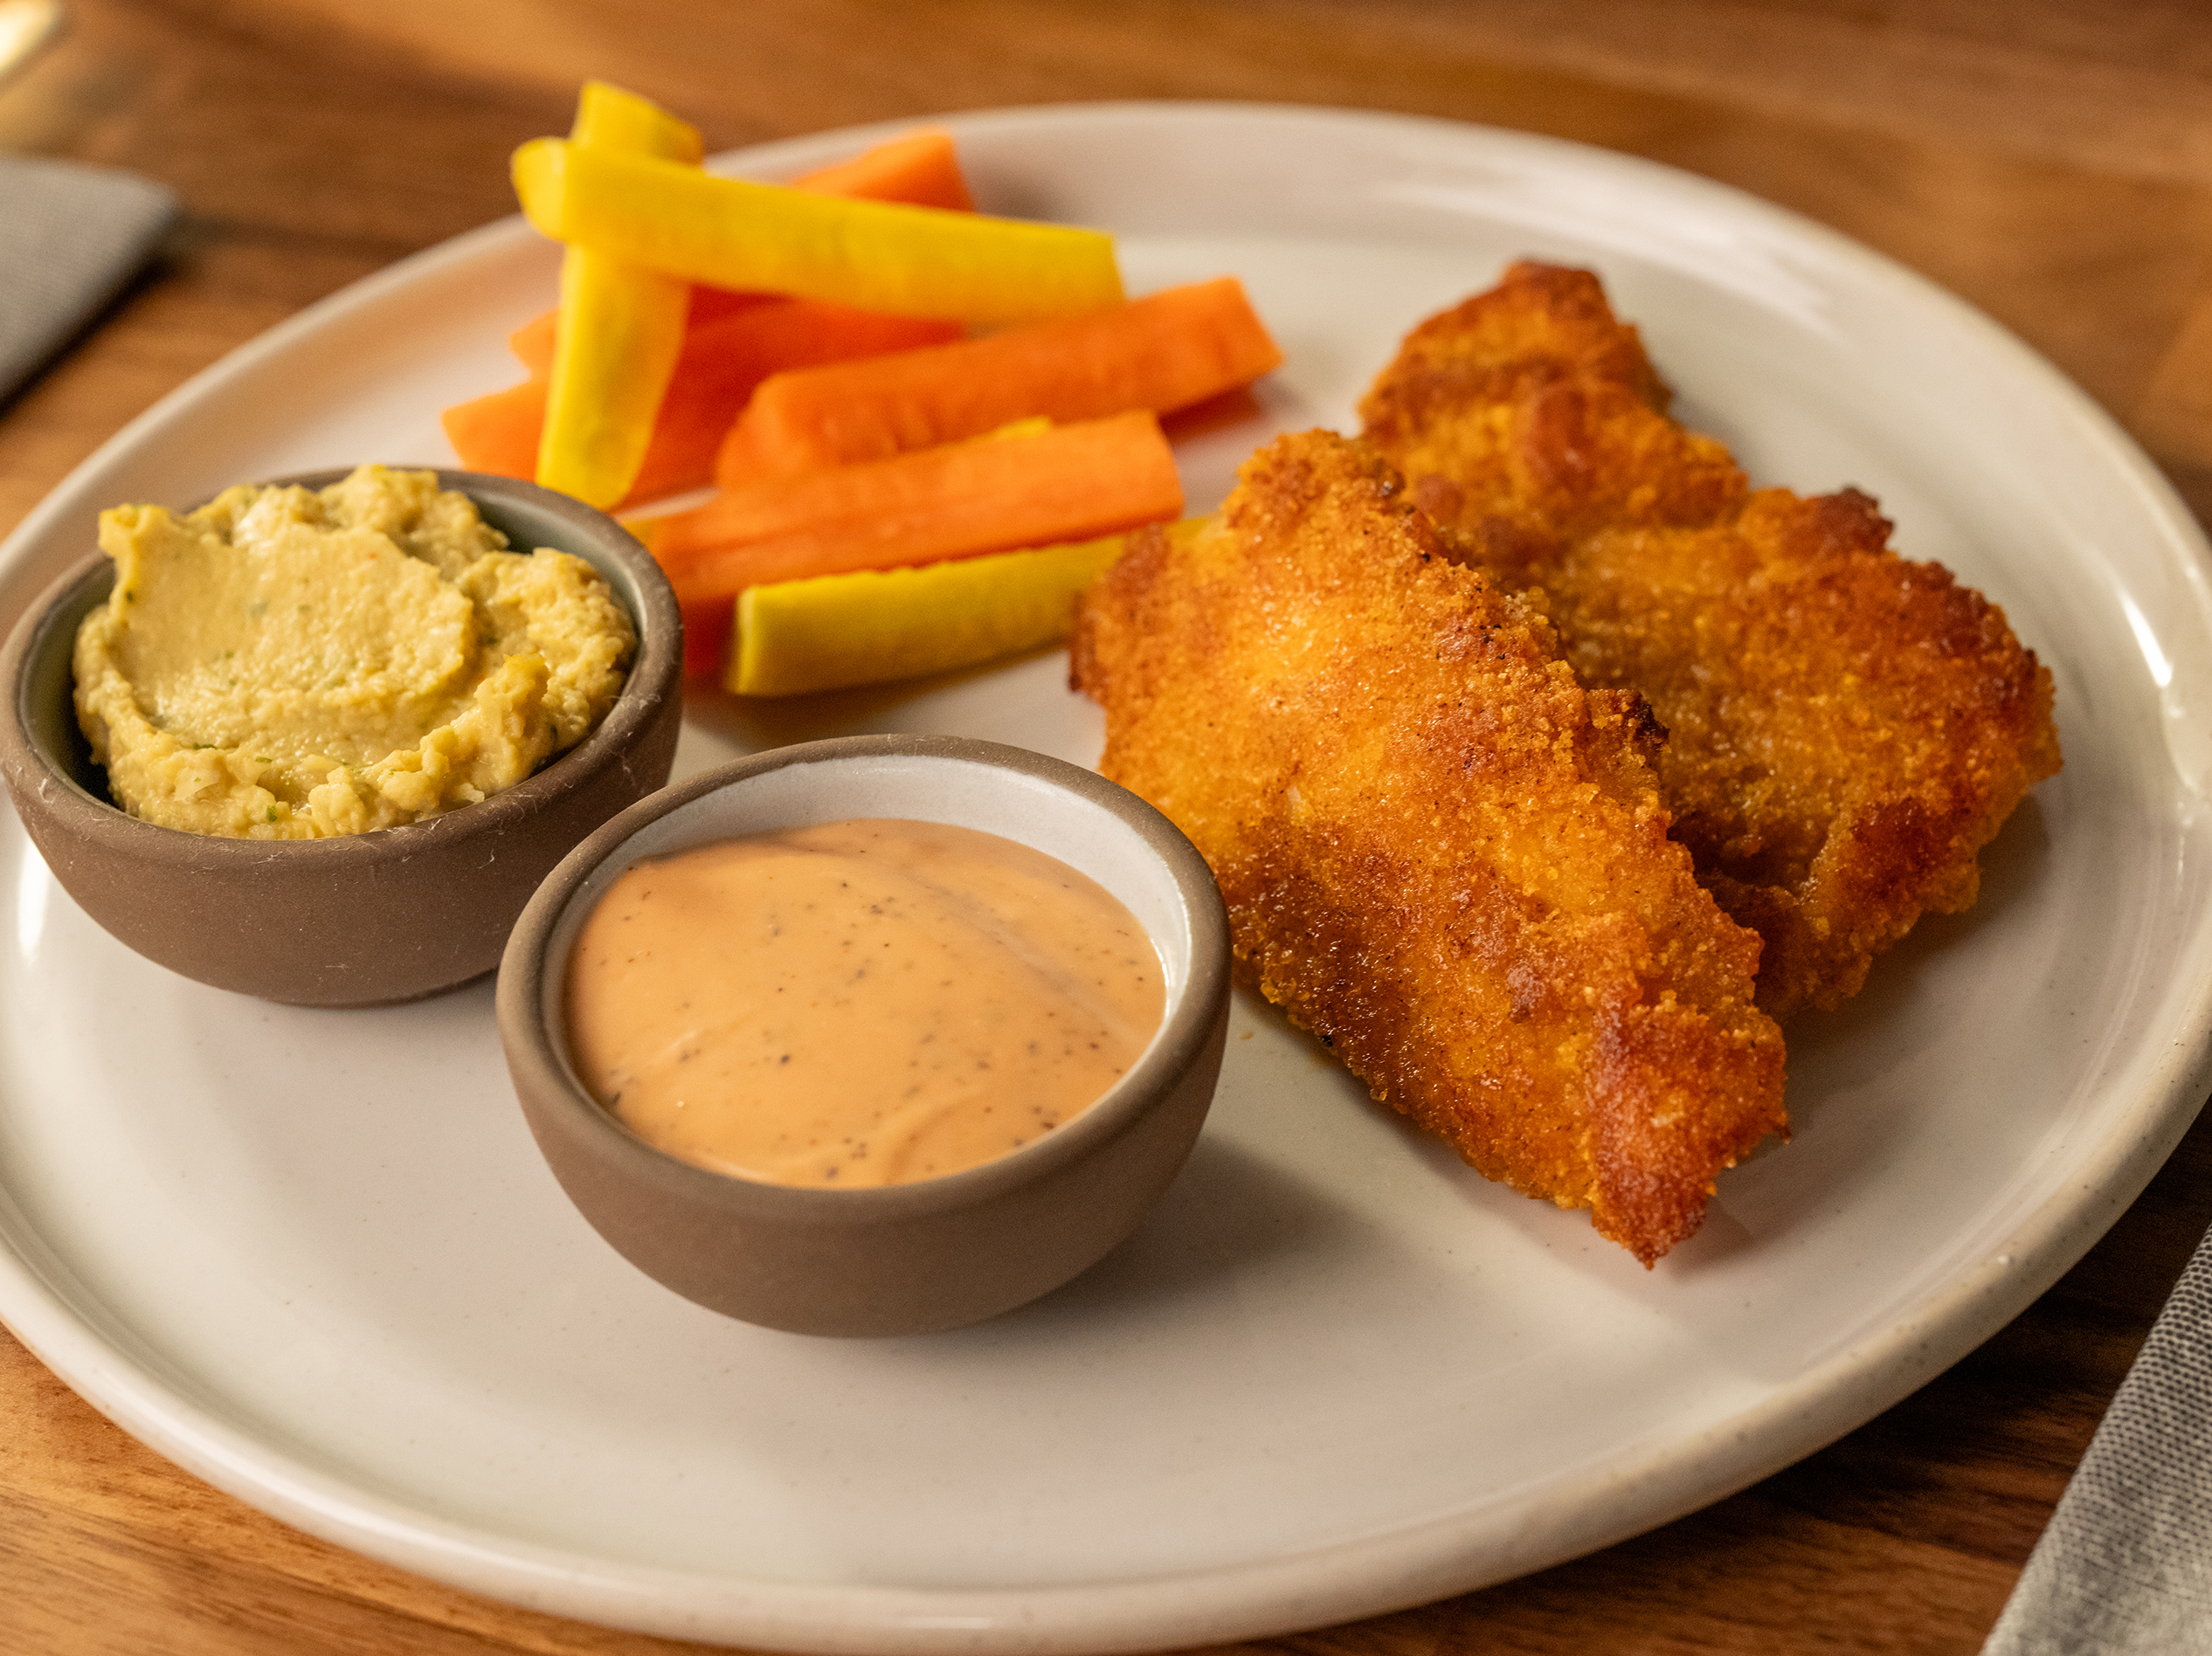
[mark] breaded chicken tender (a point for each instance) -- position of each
(1845, 729)
(1440, 853)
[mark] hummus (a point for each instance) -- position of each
(289, 664)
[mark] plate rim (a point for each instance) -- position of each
(1412, 1564)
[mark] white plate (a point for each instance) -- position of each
(314, 1257)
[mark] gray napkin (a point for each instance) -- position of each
(70, 237)
(2125, 1566)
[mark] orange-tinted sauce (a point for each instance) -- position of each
(857, 1003)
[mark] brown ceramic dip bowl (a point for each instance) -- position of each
(895, 1258)
(363, 919)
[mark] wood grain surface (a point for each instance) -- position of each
(2048, 160)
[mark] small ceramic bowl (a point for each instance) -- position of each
(896, 1258)
(364, 918)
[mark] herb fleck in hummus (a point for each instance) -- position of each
(285, 664)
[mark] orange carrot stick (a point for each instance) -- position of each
(919, 169)
(499, 432)
(721, 363)
(723, 360)
(1163, 352)
(532, 342)
(1065, 483)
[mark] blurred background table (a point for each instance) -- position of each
(2048, 160)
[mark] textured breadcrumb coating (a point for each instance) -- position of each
(1439, 852)
(1846, 729)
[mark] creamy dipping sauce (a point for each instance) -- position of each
(870, 1002)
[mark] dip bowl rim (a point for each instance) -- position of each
(527, 983)
(49, 624)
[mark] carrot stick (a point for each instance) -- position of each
(621, 323)
(1064, 483)
(871, 626)
(919, 168)
(532, 342)
(911, 261)
(499, 432)
(721, 363)
(1164, 352)
(723, 360)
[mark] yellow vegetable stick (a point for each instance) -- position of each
(621, 325)
(611, 119)
(881, 256)
(836, 631)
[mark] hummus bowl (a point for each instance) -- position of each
(895, 1258)
(355, 920)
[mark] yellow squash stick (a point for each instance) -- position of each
(622, 324)
(879, 256)
(836, 631)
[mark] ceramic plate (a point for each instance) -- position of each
(314, 1257)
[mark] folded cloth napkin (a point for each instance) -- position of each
(2125, 1566)
(70, 237)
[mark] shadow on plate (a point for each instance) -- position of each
(1227, 1214)
(1853, 1043)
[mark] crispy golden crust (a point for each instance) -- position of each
(1439, 852)
(1846, 729)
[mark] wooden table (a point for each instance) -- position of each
(2049, 160)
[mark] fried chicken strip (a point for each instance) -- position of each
(1846, 729)
(1439, 852)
